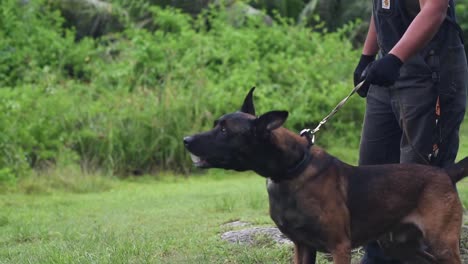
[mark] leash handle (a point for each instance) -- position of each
(310, 134)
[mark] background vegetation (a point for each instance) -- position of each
(114, 86)
(94, 91)
(121, 103)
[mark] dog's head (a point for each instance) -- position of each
(238, 141)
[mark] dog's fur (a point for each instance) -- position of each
(323, 204)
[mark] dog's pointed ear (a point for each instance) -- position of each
(271, 120)
(248, 106)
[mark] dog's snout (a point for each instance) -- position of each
(187, 140)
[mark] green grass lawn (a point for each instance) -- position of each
(173, 220)
(146, 221)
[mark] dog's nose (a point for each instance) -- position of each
(187, 140)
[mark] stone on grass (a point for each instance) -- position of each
(254, 235)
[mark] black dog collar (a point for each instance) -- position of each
(299, 167)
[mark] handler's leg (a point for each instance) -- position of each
(381, 132)
(414, 101)
(380, 141)
(453, 96)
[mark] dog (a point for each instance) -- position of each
(323, 204)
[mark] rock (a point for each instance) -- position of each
(238, 12)
(236, 224)
(92, 18)
(255, 235)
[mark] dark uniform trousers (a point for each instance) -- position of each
(400, 123)
(400, 120)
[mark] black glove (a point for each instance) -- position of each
(358, 73)
(385, 71)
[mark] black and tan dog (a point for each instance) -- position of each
(323, 204)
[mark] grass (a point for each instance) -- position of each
(463, 151)
(176, 220)
(95, 219)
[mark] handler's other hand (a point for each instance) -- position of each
(359, 73)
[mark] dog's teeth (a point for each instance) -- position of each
(195, 159)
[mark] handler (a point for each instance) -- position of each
(416, 90)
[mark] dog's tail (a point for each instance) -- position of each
(458, 171)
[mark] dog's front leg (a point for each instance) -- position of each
(342, 253)
(304, 254)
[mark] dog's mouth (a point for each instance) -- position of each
(199, 161)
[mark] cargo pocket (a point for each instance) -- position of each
(453, 76)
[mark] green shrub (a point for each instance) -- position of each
(123, 103)
(7, 178)
(288, 8)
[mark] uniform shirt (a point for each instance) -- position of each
(393, 17)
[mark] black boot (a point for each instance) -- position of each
(374, 255)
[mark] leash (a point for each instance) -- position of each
(310, 133)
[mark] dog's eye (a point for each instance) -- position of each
(223, 130)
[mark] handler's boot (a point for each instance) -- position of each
(374, 255)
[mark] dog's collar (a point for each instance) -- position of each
(297, 169)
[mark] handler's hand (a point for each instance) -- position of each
(385, 71)
(363, 62)
(359, 73)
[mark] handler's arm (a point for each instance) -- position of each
(370, 45)
(423, 28)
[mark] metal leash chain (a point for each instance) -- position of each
(310, 134)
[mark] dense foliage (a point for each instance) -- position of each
(124, 102)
